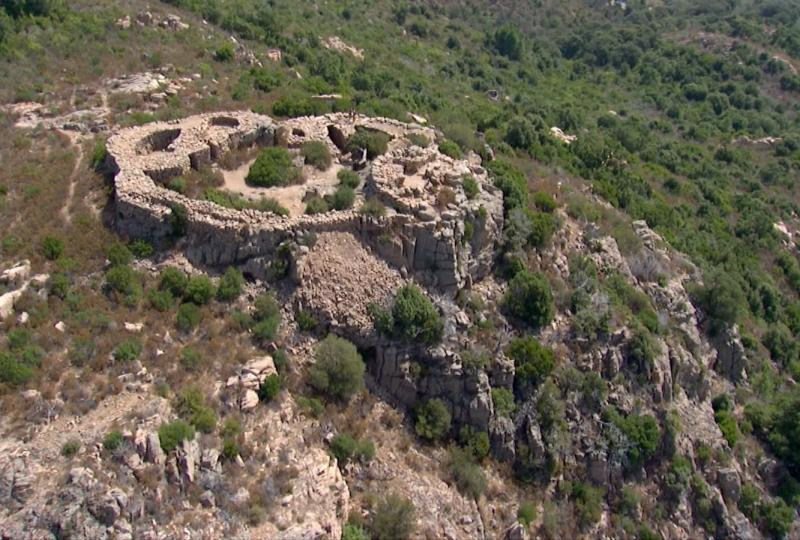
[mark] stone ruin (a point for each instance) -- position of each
(431, 232)
(424, 232)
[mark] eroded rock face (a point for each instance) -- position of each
(431, 229)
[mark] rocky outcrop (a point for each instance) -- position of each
(241, 389)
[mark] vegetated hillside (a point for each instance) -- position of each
(684, 117)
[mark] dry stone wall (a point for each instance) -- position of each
(432, 230)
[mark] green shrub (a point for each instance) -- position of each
(14, 372)
(160, 300)
(177, 184)
(270, 388)
(508, 42)
(348, 178)
(750, 502)
(191, 406)
(418, 139)
(230, 449)
(467, 474)
(230, 285)
(123, 280)
(728, 426)
(188, 317)
(99, 154)
(273, 167)
(450, 149)
(82, 351)
(352, 531)
(643, 350)
(393, 519)
(642, 431)
(200, 290)
(173, 280)
(412, 317)
(376, 143)
(310, 406)
(475, 442)
(174, 433)
(178, 220)
(70, 448)
(722, 299)
(224, 53)
(343, 447)
(113, 440)
(191, 359)
(471, 188)
(268, 317)
(343, 198)
(533, 361)
(339, 370)
(373, 207)
(128, 351)
(316, 154)
(118, 254)
(526, 513)
(503, 400)
(58, 285)
(316, 205)
(588, 503)
(296, 105)
(544, 202)
(306, 320)
(530, 299)
(432, 420)
(52, 247)
(778, 518)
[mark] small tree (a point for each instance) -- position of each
(375, 142)
(412, 317)
(128, 351)
(503, 400)
(433, 420)
(188, 317)
(273, 167)
(339, 369)
(530, 299)
(118, 254)
(468, 475)
(173, 280)
(533, 361)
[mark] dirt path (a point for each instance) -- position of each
(75, 140)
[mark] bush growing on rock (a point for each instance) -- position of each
(503, 400)
(174, 433)
(118, 254)
(530, 299)
(270, 388)
(339, 370)
(173, 280)
(267, 315)
(642, 432)
(113, 440)
(316, 154)
(450, 149)
(273, 167)
(376, 143)
(343, 198)
(412, 317)
(348, 178)
(352, 531)
(471, 188)
(199, 290)
(316, 205)
(14, 371)
(230, 285)
(123, 280)
(532, 360)
(345, 447)
(191, 359)
(467, 474)
(191, 405)
(373, 207)
(432, 420)
(474, 442)
(178, 219)
(70, 448)
(393, 519)
(526, 513)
